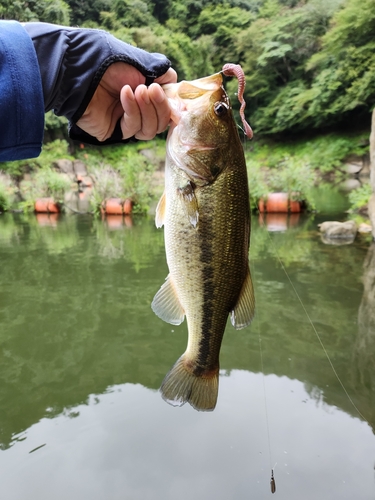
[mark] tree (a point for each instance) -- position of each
(50, 11)
(275, 50)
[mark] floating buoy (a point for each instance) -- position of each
(279, 203)
(117, 206)
(113, 206)
(46, 205)
(128, 206)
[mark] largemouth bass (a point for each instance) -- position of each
(206, 216)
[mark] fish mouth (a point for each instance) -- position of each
(191, 95)
(194, 88)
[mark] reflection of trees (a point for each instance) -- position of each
(75, 316)
(73, 323)
(364, 349)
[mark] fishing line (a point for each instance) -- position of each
(313, 326)
(272, 480)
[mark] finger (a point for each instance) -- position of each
(131, 121)
(169, 77)
(149, 120)
(161, 105)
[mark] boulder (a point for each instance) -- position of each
(65, 166)
(342, 231)
(79, 168)
(364, 228)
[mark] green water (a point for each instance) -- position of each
(82, 356)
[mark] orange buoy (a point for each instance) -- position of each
(46, 205)
(128, 206)
(277, 202)
(113, 206)
(294, 206)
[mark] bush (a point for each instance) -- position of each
(45, 183)
(7, 192)
(359, 198)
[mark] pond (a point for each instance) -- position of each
(82, 357)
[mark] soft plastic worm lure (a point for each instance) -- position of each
(273, 483)
(231, 69)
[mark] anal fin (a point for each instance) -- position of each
(166, 304)
(244, 310)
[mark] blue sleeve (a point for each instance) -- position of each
(21, 95)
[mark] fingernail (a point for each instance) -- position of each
(128, 92)
(158, 95)
(145, 96)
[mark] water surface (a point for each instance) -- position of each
(82, 357)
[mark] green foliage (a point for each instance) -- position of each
(275, 49)
(50, 11)
(359, 198)
(125, 172)
(51, 152)
(308, 64)
(7, 192)
(54, 122)
(294, 166)
(133, 13)
(335, 77)
(45, 183)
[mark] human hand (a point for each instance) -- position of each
(121, 94)
(98, 82)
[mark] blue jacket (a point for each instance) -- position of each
(21, 95)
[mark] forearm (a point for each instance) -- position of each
(21, 95)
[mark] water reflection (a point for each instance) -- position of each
(82, 356)
(111, 448)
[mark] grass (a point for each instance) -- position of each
(128, 171)
(296, 166)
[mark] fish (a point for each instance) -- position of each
(205, 212)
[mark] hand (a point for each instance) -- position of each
(121, 93)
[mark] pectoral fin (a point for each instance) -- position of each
(166, 304)
(190, 203)
(160, 212)
(244, 310)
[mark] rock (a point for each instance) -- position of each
(65, 166)
(364, 228)
(333, 230)
(84, 181)
(353, 168)
(79, 168)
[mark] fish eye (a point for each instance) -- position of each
(220, 108)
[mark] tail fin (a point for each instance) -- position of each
(180, 385)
